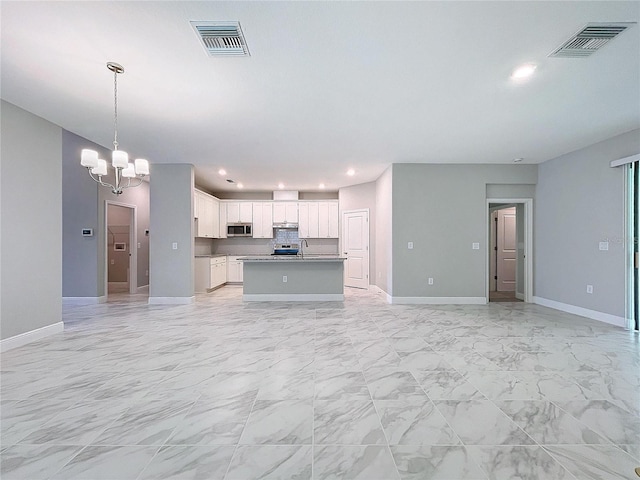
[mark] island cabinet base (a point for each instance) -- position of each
(290, 281)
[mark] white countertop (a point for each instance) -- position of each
(293, 258)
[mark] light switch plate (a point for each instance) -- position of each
(175, 245)
(475, 246)
(410, 245)
(603, 245)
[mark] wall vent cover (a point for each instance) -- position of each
(221, 38)
(590, 39)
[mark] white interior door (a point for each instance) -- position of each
(355, 242)
(507, 248)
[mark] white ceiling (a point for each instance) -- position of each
(328, 86)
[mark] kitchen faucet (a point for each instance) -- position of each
(302, 242)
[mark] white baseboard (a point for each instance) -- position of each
(172, 300)
(143, 289)
(84, 300)
(520, 296)
(583, 312)
(437, 300)
(31, 336)
(293, 297)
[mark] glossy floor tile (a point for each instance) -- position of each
(359, 389)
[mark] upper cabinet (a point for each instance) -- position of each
(262, 220)
(318, 219)
(206, 210)
(285, 212)
(239, 212)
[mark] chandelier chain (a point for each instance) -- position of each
(115, 110)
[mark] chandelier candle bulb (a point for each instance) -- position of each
(142, 166)
(129, 172)
(119, 159)
(101, 168)
(89, 158)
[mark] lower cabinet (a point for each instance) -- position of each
(210, 273)
(234, 269)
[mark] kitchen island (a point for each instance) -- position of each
(293, 278)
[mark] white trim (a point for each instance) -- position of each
(31, 336)
(625, 160)
(520, 296)
(437, 300)
(84, 300)
(583, 312)
(172, 300)
(528, 244)
(293, 297)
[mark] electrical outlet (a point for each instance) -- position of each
(284, 279)
(475, 246)
(410, 245)
(430, 281)
(139, 245)
(175, 245)
(603, 245)
(113, 262)
(589, 288)
(146, 273)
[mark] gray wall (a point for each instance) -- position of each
(31, 214)
(80, 259)
(442, 209)
(171, 196)
(579, 203)
(358, 197)
(383, 232)
(84, 207)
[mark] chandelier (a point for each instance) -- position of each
(97, 167)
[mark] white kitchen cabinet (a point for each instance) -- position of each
(206, 212)
(223, 221)
(285, 212)
(308, 219)
(328, 219)
(210, 273)
(239, 212)
(234, 269)
(318, 219)
(218, 269)
(262, 220)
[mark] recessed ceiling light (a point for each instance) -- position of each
(240, 185)
(351, 172)
(222, 172)
(518, 160)
(321, 186)
(281, 186)
(524, 71)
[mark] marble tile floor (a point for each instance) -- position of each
(223, 389)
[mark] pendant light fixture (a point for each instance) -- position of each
(97, 167)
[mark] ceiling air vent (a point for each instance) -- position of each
(221, 38)
(590, 39)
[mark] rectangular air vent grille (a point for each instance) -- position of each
(590, 39)
(221, 38)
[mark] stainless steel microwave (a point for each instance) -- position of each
(239, 230)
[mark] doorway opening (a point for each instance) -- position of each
(121, 249)
(509, 255)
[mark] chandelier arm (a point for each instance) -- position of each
(128, 185)
(99, 180)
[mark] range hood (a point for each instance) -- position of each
(291, 226)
